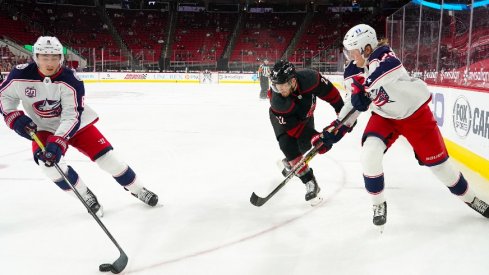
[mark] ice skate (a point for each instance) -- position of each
(480, 206)
(312, 193)
(380, 215)
(92, 202)
(147, 197)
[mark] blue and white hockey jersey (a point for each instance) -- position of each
(394, 93)
(55, 103)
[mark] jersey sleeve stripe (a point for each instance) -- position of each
(377, 78)
(292, 105)
(72, 130)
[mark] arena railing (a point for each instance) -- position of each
(442, 45)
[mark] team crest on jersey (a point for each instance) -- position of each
(47, 108)
(380, 97)
(30, 92)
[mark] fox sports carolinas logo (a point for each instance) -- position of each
(462, 116)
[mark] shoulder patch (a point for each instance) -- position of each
(21, 66)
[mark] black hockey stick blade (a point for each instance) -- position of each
(117, 266)
(120, 263)
(256, 200)
(259, 201)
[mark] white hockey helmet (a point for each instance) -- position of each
(47, 45)
(359, 37)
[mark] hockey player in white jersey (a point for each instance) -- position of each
(399, 103)
(52, 97)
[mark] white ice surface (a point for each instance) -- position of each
(204, 149)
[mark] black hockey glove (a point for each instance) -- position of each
(330, 137)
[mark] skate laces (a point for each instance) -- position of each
(145, 195)
(310, 186)
(379, 210)
(479, 205)
(90, 198)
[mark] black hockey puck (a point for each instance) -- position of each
(105, 267)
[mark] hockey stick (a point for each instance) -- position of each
(119, 264)
(259, 201)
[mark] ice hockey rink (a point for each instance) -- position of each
(204, 149)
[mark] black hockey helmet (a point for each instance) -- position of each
(282, 72)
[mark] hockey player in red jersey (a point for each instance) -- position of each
(53, 99)
(293, 101)
(399, 106)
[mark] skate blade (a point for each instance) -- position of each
(317, 200)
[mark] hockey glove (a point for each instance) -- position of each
(56, 147)
(20, 123)
(330, 137)
(318, 143)
(359, 97)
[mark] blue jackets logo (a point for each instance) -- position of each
(380, 97)
(47, 108)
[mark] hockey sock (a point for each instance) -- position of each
(373, 175)
(454, 180)
(375, 187)
(121, 172)
(128, 180)
(307, 176)
(72, 176)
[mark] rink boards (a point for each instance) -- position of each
(463, 117)
(202, 77)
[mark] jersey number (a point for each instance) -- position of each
(281, 120)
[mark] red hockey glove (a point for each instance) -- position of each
(359, 97)
(318, 143)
